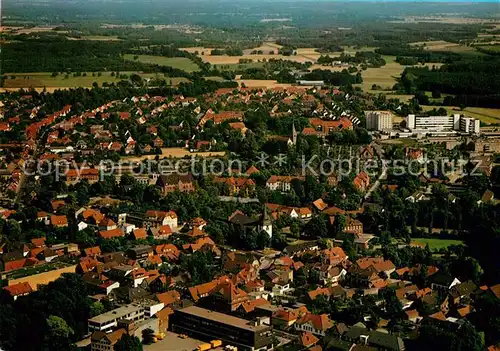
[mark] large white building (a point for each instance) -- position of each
(378, 120)
(442, 124)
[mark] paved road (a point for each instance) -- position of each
(375, 185)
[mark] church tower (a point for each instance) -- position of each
(294, 134)
(266, 223)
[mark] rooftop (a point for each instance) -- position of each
(222, 318)
(116, 313)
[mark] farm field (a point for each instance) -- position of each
(45, 79)
(239, 66)
(384, 76)
(303, 54)
(437, 244)
(97, 38)
(351, 50)
(485, 115)
(494, 48)
(441, 45)
(182, 63)
(256, 83)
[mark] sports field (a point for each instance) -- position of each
(182, 63)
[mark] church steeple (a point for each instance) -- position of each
(266, 223)
(294, 134)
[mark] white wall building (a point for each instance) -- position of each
(378, 120)
(442, 124)
(106, 321)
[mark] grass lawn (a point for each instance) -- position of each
(45, 79)
(436, 244)
(182, 63)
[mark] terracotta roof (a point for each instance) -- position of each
(113, 233)
(106, 222)
(412, 314)
(139, 233)
(58, 220)
(285, 315)
(164, 313)
(196, 232)
(320, 322)
(91, 213)
(495, 289)
(251, 170)
(464, 311)
(91, 251)
(438, 315)
(307, 339)
(249, 306)
(38, 242)
(169, 297)
(19, 289)
(199, 291)
(320, 204)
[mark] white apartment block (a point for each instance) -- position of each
(378, 120)
(442, 124)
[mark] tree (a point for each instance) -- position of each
(339, 223)
(148, 336)
(317, 227)
(97, 308)
(128, 343)
(444, 337)
(58, 335)
(13, 230)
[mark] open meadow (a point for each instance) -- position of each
(385, 77)
(182, 63)
(441, 45)
(42, 80)
(269, 51)
(485, 115)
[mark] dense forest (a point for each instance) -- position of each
(474, 82)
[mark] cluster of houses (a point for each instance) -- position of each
(253, 297)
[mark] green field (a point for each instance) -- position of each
(384, 76)
(238, 66)
(494, 48)
(485, 115)
(437, 244)
(182, 63)
(45, 79)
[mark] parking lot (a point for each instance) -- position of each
(172, 342)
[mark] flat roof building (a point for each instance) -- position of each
(107, 321)
(206, 324)
(442, 124)
(378, 120)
